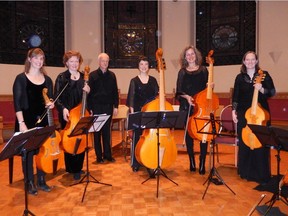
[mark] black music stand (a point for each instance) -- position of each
(84, 127)
(22, 143)
(277, 138)
(213, 171)
(157, 120)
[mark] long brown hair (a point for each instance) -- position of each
(243, 66)
(32, 53)
(183, 61)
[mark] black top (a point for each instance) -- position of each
(28, 98)
(71, 96)
(243, 91)
(103, 89)
(190, 83)
(141, 93)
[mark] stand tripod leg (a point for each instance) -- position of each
(213, 172)
(271, 201)
(275, 197)
(26, 210)
(88, 175)
(209, 180)
(222, 181)
(157, 172)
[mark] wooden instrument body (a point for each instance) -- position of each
(206, 102)
(50, 157)
(201, 116)
(254, 115)
(69, 143)
(259, 117)
(146, 151)
(76, 144)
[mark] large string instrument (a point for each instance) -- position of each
(76, 144)
(255, 115)
(206, 102)
(50, 157)
(146, 150)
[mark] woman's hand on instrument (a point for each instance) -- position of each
(259, 87)
(190, 100)
(212, 85)
(86, 88)
(66, 114)
(234, 116)
(50, 105)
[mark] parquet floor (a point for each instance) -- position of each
(128, 197)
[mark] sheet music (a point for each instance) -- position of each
(100, 121)
(18, 133)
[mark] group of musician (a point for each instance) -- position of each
(102, 98)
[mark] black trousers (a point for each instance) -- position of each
(27, 167)
(74, 163)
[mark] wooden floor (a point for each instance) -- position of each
(127, 196)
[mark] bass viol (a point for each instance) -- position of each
(255, 115)
(147, 149)
(50, 157)
(206, 102)
(76, 144)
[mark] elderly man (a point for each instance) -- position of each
(103, 99)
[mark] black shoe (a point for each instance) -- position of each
(76, 176)
(111, 159)
(192, 164)
(202, 170)
(151, 173)
(135, 169)
(101, 161)
(32, 188)
(43, 186)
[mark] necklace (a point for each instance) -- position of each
(74, 76)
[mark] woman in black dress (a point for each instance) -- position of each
(254, 164)
(143, 89)
(192, 79)
(70, 98)
(29, 105)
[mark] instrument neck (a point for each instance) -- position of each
(254, 101)
(162, 91)
(50, 120)
(84, 102)
(210, 80)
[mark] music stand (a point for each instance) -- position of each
(277, 138)
(84, 127)
(157, 120)
(22, 143)
(213, 171)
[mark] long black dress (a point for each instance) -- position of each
(70, 98)
(28, 98)
(191, 83)
(253, 165)
(140, 94)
